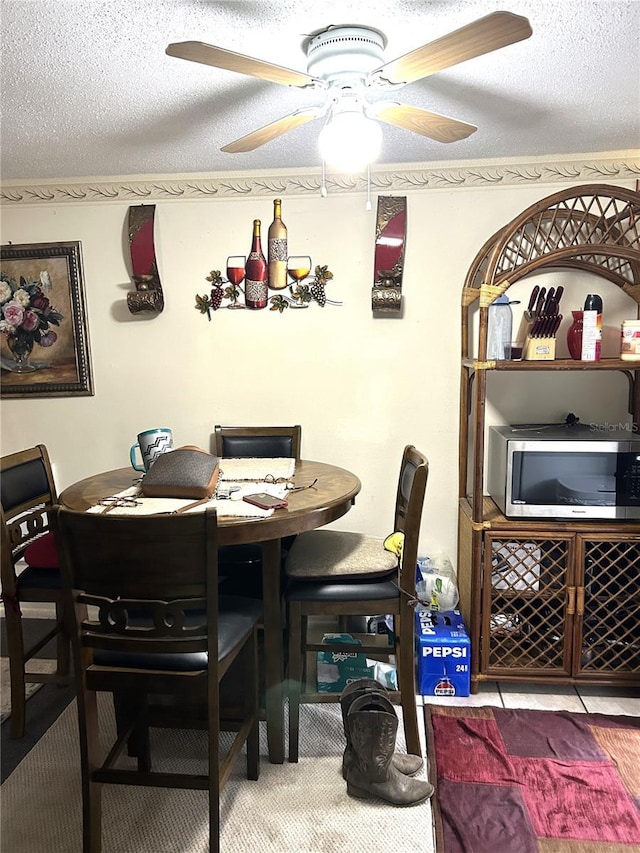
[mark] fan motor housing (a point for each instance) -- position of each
(345, 51)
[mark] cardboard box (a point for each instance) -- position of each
(443, 653)
(337, 669)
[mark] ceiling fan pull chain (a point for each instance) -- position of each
(368, 204)
(323, 188)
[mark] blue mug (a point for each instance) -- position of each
(151, 443)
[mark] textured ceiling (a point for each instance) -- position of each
(87, 89)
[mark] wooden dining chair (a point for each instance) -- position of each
(30, 571)
(160, 629)
(336, 573)
(241, 565)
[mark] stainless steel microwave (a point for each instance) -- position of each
(579, 472)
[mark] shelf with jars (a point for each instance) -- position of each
(548, 599)
(250, 279)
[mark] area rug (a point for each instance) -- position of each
(517, 781)
(302, 808)
(35, 665)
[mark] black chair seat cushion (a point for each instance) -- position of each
(334, 554)
(236, 618)
(34, 578)
(42, 554)
(345, 591)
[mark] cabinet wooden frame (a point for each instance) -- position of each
(594, 228)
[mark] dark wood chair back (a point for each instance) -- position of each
(259, 442)
(28, 493)
(159, 628)
(410, 495)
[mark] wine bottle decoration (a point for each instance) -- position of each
(254, 272)
(256, 280)
(277, 249)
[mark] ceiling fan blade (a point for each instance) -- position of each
(432, 125)
(482, 36)
(271, 131)
(207, 54)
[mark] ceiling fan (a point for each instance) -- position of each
(347, 63)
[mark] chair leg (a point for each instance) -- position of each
(63, 643)
(15, 648)
(253, 740)
(295, 677)
(407, 682)
(90, 759)
(213, 720)
(92, 819)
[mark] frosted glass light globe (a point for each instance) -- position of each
(350, 141)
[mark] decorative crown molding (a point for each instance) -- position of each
(579, 168)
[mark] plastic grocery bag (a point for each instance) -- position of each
(436, 584)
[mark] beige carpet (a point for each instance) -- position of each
(302, 808)
(35, 665)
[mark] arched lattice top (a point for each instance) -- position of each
(594, 227)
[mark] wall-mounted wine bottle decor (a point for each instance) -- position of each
(250, 278)
(228, 292)
(148, 296)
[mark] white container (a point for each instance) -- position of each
(630, 340)
(591, 335)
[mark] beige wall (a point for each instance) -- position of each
(361, 387)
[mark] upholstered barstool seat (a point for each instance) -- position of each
(334, 554)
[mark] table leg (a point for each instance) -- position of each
(273, 649)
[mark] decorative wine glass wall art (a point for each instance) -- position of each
(298, 268)
(226, 292)
(235, 275)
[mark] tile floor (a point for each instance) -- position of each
(549, 697)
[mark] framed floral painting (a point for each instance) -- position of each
(44, 341)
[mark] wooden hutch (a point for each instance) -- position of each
(576, 618)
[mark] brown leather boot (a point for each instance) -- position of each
(372, 774)
(407, 764)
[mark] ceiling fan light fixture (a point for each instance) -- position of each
(347, 62)
(350, 141)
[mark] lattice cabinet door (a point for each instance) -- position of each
(527, 604)
(608, 606)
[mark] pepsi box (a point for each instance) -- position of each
(443, 652)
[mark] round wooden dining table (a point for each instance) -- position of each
(332, 495)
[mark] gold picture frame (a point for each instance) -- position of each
(44, 339)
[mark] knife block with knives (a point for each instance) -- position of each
(540, 323)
